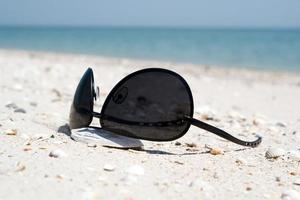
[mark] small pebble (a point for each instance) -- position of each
(258, 122)
(20, 168)
(277, 179)
(20, 110)
(92, 145)
(178, 162)
(59, 176)
(240, 161)
(11, 105)
(297, 182)
(11, 132)
(57, 153)
(216, 151)
(281, 124)
(108, 167)
(33, 104)
(293, 173)
(191, 145)
(177, 143)
(136, 170)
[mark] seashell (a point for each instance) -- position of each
(216, 151)
(136, 170)
(290, 195)
(104, 138)
(11, 132)
(274, 153)
(294, 155)
(108, 167)
(57, 153)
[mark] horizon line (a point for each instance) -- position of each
(146, 26)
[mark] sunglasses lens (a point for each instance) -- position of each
(149, 104)
(83, 102)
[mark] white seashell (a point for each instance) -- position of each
(57, 153)
(274, 153)
(104, 138)
(136, 170)
(294, 155)
(108, 167)
(290, 195)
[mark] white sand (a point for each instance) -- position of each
(242, 102)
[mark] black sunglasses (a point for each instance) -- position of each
(151, 104)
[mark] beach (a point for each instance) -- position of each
(37, 89)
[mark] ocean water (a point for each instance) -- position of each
(249, 48)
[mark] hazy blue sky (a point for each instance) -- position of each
(272, 13)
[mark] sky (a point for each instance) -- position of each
(215, 13)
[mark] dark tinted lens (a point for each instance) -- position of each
(83, 102)
(149, 104)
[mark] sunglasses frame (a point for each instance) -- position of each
(187, 119)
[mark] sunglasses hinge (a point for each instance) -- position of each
(97, 115)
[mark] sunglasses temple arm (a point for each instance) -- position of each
(224, 134)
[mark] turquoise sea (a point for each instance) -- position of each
(229, 47)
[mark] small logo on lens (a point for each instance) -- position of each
(120, 95)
